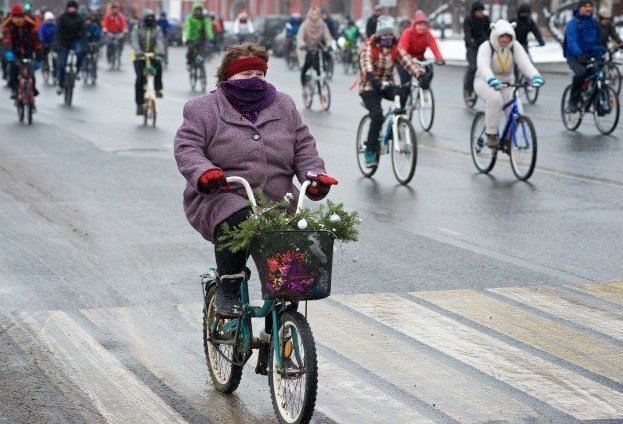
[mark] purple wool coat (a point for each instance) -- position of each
(268, 154)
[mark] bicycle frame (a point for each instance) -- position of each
(241, 327)
(25, 88)
(394, 113)
(510, 126)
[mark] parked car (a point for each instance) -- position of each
(176, 31)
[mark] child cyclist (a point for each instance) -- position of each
(496, 62)
(376, 67)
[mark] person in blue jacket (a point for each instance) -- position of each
(164, 24)
(581, 44)
(292, 29)
(47, 32)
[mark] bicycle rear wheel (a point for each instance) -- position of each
(484, 157)
(293, 388)
(308, 94)
(571, 121)
(150, 112)
(224, 361)
(426, 108)
(202, 78)
(20, 111)
(360, 146)
(404, 151)
(523, 148)
(193, 78)
(607, 109)
(31, 109)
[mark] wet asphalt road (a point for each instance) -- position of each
(100, 296)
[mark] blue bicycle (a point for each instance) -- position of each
(518, 140)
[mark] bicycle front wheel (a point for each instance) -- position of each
(69, 88)
(360, 146)
(571, 121)
(426, 108)
(20, 111)
(224, 360)
(484, 157)
(404, 151)
(294, 385)
(606, 113)
(613, 77)
(308, 94)
(325, 96)
(523, 148)
(31, 109)
(202, 78)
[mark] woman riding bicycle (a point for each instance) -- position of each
(312, 35)
(413, 44)
(496, 61)
(249, 129)
(376, 67)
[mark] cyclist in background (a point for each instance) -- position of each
(243, 27)
(146, 37)
(476, 30)
(21, 41)
(312, 35)
(607, 30)
(413, 44)
(496, 65)
(114, 25)
(70, 36)
(331, 23)
(292, 29)
(3, 50)
(581, 43)
(376, 70)
(93, 30)
(47, 34)
(199, 32)
(526, 25)
(164, 24)
(351, 34)
(372, 20)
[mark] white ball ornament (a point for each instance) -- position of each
(302, 224)
(335, 218)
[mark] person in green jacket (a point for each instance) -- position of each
(198, 30)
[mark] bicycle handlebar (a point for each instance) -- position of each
(251, 195)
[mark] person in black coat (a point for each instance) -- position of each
(476, 30)
(372, 21)
(525, 26)
(607, 30)
(70, 35)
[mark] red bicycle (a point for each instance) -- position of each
(25, 100)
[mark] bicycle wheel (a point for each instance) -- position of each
(69, 89)
(346, 59)
(523, 148)
(360, 146)
(411, 102)
(613, 77)
(532, 93)
(607, 109)
(308, 94)
(224, 361)
(150, 112)
(293, 389)
(404, 151)
(20, 111)
(483, 156)
(325, 96)
(31, 109)
(193, 78)
(426, 106)
(202, 78)
(571, 121)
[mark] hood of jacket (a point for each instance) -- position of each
(499, 28)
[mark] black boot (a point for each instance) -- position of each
(228, 303)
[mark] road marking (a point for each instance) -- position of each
(565, 390)
(571, 345)
(612, 292)
(456, 394)
(563, 306)
(116, 393)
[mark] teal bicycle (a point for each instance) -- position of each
(287, 351)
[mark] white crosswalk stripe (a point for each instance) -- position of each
(445, 356)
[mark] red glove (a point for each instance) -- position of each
(320, 186)
(211, 180)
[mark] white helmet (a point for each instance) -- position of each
(48, 16)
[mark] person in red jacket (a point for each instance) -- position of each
(413, 44)
(114, 25)
(21, 40)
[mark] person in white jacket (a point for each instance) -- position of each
(496, 62)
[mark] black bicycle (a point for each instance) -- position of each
(70, 77)
(25, 100)
(89, 65)
(597, 97)
(613, 73)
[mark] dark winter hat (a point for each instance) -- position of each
(72, 3)
(584, 3)
(476, 6)
(524, 8)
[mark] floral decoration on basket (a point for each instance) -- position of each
(287, 273)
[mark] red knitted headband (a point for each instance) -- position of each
(251, 63)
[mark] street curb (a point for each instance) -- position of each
(559, 68)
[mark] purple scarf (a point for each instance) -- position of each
(249, 96)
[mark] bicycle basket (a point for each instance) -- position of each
(294, 265)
